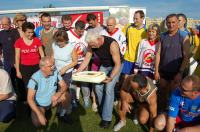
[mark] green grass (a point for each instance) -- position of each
(84, 121)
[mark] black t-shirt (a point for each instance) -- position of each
(7, 41)
(103, 52)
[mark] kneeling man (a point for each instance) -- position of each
(141, 90)
(184, 108)
(43, 92)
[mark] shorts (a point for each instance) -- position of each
(181, 124)
(45, 107)
(7, 110)
(128, 67)
(67, 77)
(169, 76)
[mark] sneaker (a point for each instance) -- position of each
(105, 124)
(66, 119)
(94, 107)
(119, 125)
(135, 119)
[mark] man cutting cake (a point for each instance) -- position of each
(107, 49)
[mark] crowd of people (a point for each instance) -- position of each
(147, 69)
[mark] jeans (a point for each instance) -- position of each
(105, 94)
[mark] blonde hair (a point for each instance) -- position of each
(17, 17)
(155, 27)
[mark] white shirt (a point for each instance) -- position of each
(80, 44)
(119, 36)
(6, 85)
(63, 56)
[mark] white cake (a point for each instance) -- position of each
(89, 76)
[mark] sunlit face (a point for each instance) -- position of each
(111, 25)
(187, 89)
(94, 44)
(92, 23)
(138, 21)
(152, 34)
(29, 34)
(172, 24)
(49, 67)
(20, 22)
(5, 24)
(46, 22)
(182, 22)
(79, 31)
(67, 24)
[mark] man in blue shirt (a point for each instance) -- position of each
(184, 108)
(43, 93)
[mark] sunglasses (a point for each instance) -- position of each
(22, 20)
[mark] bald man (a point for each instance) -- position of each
(6, 23)
(115, 33)
(6, 43)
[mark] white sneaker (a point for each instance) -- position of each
(94, 107)
(115, 103)
(119, 125)
(135, 119)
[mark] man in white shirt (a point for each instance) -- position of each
(7, 98)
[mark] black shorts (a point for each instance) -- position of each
(169, 76)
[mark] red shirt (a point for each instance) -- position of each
(29, 54)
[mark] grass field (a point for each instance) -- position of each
(84, 121)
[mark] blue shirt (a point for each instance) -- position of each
(45, 87)
(37, 31)
(187, 109)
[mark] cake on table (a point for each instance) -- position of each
(89, 76)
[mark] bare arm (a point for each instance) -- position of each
(152, 100)
(86, 60)
(62, 89)
(123, 91)
(17, 61)
(186, 47)
(5, 96)
(114, 50)
(41, 52)
(170, 124)
(157, 62)
(31, 102)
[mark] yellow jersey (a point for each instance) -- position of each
(134, 37)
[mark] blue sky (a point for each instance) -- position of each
(155, 8)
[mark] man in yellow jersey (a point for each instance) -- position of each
(134, 33)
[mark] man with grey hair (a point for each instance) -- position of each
(43, 93)
(107, 49)
(6, 44)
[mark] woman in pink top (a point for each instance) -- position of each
(28, 51)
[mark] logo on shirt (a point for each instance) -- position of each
(182, 104)
(171, 108)
(80, 49)
(149, 56)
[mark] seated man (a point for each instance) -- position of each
(7, 98)
(141, 89)
(184, 108)
(43, 93)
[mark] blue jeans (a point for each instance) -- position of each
(105, 94)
